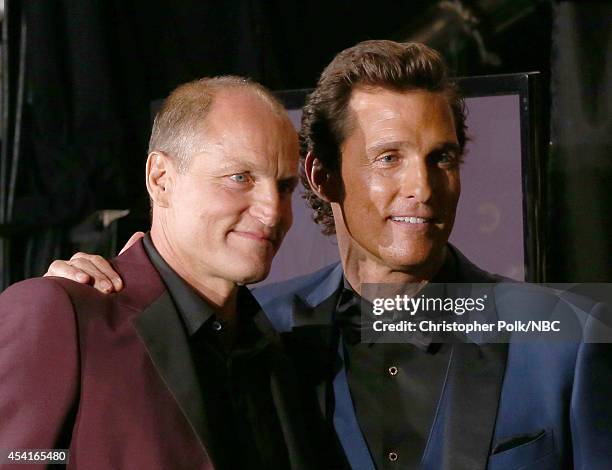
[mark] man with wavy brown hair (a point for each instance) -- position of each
(382, 139)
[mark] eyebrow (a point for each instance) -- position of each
(231, 163)
(388, 145)
(448, 147)
(385, 145)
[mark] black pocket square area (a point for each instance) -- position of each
(516, 441)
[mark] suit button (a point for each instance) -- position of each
(392, 456)
(393, 370)
(216, 325)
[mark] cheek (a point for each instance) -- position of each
(446, 185)
(367, 194)
(211, 211)
(453, 186)
(448, 198)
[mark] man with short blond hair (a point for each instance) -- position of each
(180, 369)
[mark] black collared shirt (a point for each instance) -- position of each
(243, 428)
(395, 387)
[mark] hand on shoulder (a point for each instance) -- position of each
(91, 269)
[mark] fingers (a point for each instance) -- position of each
(61, 268)
(100, 270)
(133, 239)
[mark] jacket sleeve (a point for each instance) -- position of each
(591, 405)
(39, 366)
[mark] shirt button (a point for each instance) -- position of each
(393, 371)
(216, 325)
(392, 456)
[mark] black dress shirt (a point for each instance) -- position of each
(395, 387)
(242, 423)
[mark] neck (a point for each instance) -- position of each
(220, 294)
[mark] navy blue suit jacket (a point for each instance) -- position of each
(502, 406)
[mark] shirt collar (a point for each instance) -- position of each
(193, 309)
(348, 308)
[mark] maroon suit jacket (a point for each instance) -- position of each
(108, 376)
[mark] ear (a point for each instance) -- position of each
(160, 177)
(326, 184)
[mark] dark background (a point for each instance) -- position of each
(78, 78)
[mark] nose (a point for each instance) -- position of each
(266, 205)
(417, 182)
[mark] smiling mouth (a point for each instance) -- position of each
(257, 237)
(412, 220)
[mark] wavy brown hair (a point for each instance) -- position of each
(387, 64)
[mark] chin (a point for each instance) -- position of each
(251, 274)
(412, 259)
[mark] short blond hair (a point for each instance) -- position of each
(179, 124)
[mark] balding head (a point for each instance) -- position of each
(220, 222)
(178, 129)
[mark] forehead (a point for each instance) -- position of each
(416, 115)
(243, 128)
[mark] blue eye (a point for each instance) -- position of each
(447, 159)
(388, 158)
(240, 178)
(447, 156)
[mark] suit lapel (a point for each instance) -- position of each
(164, 337)
(463, 428)
(310, 345)
(311, 340)
(318, 347)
